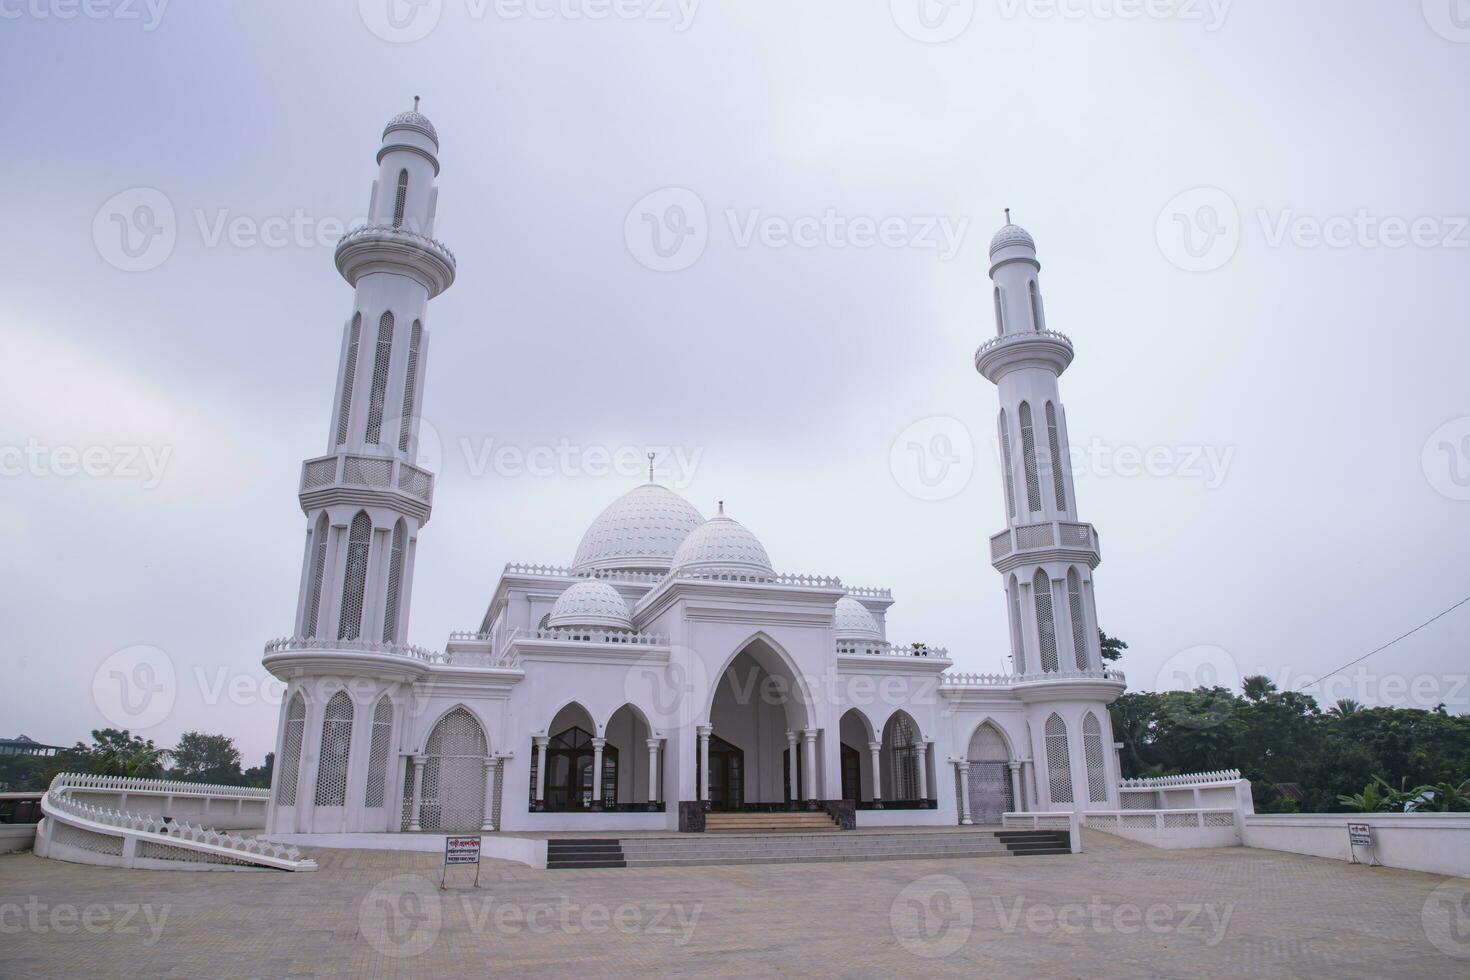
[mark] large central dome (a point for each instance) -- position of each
(640, 531)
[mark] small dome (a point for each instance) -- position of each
(1011, 235)
(722, 546)
(852, 621)
(590, 603)
(414, 120)
(640, 531)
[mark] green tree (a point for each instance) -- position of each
(1112, 647)
(117, 752)
(260, 776)
(200, 758)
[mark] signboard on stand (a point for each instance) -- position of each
(1361, 835)
(460, 850)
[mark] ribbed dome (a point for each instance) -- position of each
(851, 621)
(590, 603)
(721, 545)
(415, 120)
(1011, 235)
(640, 531)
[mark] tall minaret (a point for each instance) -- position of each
(1045, 554)
(366, 500)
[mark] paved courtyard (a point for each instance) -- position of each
(1119, 910)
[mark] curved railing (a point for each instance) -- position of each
(892, 650)
(859, 592)
(1184, 779)
(385, 231)
(1010, 680)
(92, 834)
(290, 644)
(1016, 338)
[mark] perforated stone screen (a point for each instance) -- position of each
(291, 751)
(1058, 761)
(331, 774)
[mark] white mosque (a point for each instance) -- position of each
(669, 675)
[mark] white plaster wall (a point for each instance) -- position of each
(1437, 843)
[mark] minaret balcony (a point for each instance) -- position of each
(380, 248)
(1062, 541)
(351, 479)
(1030, 348)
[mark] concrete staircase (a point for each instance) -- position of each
(792, 847)
(791, 821)
(1025, 843)
(583, 852)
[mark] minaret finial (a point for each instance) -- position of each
(650, 467)
(722, 508)
(415, 103)
(1008, 213)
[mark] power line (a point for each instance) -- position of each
(1385, 646)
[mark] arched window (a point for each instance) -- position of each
(1018, 641)
(1079, 625)
(1092, 750)
(318, 570)
(1045, 625)
(377, 774)
(331, 773)
(410, 384)
(1000, 317)
(359, 541)
(903, 752)
(401, 199)
(291, 751)
(379, 392)
(453, 795)
(1058, 760)
(1005, 461)
(1054, 443)
(1028, 459)
(1038, 321)
(395, 582)
(349, 372)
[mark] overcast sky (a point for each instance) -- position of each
(1251, 220)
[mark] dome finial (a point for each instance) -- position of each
(1008, 210)
(722, 508)
(416, 109)
(650, 467)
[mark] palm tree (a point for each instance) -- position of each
(1258, 687)
(1376, 796)
(1345, 708)
(1441, 798)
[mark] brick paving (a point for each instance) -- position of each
(1119, 910)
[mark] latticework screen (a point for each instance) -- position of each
(410, 384)
(395, 582)
(401, 199)
(453, 793)
(349, 373)
(1045, 623)
(1079, 623)
(359, 541)
(318, 569)
(1054, 443)
(1018, 638)
(1092, 750)
(1028, 459)
(377, 774)
(1007, 474)
(331, 773)
(1058, 760)
(378, 394)
(291, 751)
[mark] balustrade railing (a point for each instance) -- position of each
(375, 472)
(1005, 340)
(1184, 779)
(1010, 680)
(892, 650)
(402, 234)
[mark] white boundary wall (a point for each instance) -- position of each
(524, 850)
(1436, 843)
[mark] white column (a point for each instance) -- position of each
(964, 768)
(875, 752)
(492, 766)
(923, 749)
(653, 770)
(541, 742)
(791, 767)
(1017, 799)
(418, 794)
(810, 761)
(704, 733)
(597, 746)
